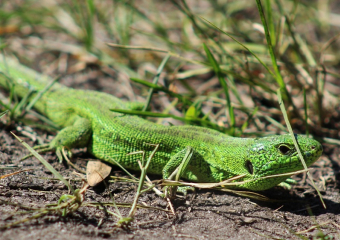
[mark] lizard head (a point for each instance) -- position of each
(277, 155)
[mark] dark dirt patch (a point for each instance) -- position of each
(200, 215)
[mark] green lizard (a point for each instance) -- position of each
(87, 122)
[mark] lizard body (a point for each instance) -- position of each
(87, 121)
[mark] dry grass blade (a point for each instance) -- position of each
(14, 173)
(226, 183)
(284, 112)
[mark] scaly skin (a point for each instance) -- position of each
(87, 122)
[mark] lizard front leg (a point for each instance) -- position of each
(73, 136)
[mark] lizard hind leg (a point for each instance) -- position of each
(177, 167)
(76, 135)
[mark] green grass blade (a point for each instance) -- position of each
(45, 163)
(244, 46)
(165, 115)
(278, 76)
(155, 81)
(224, 85)
(162, 89)
(306, 111)
(271, 26)
(3, 113)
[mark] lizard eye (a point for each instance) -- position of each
(249, 167)
(284, 149)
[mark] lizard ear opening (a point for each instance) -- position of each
(249, 167)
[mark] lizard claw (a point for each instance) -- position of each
(40, 149)
(63, 153)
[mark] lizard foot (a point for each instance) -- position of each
(184, 189)
(170, 190)
(287, 184)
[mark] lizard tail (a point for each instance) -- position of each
(23, 79)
